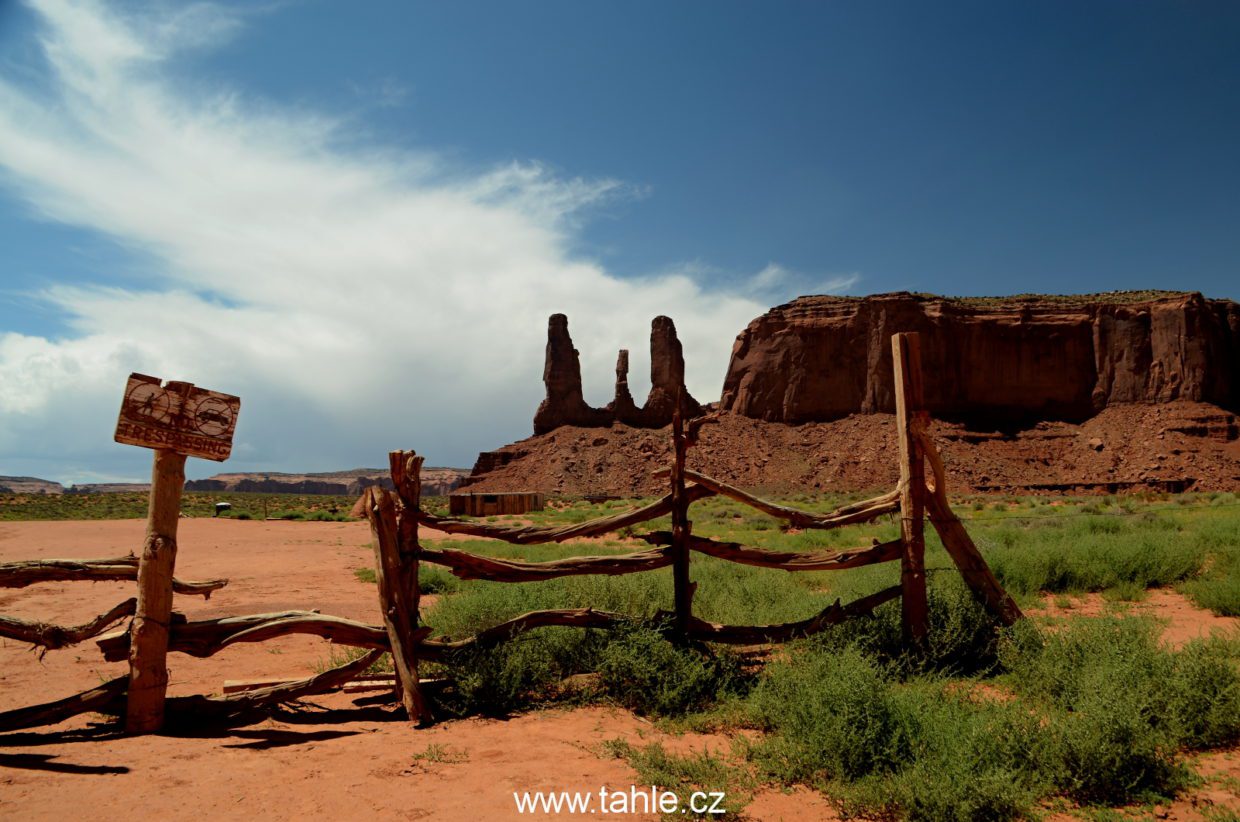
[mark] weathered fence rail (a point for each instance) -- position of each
(395, 518)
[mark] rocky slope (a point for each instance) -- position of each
(1176, 446)
(1104, 392)
(987, 361)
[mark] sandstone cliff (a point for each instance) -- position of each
(565, 404)
(988, 361)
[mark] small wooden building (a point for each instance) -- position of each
(490, 503)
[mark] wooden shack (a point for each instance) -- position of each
(485, 504)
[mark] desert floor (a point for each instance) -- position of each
(334, 759)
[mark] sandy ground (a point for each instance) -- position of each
(334, 759)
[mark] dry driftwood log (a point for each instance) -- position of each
(756, 634)
(210, 636)
(110, 698)
(570, 617)
(106, 697)
(787, 560)
(289, 691)
(51, 637)
(959, 544)
(850, 514)
(28, 572)
(682, 529)
(148, 652)
(529, 534)
(471, 566)
(911, 416)
(398, 620)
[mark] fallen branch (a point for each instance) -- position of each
(755, 634)
(471, 566)
(105, 698)
(109, 698)
(51, 637)
(850, 514)
(28, 572)
(787, 560)
(290, 691)
(529, 534)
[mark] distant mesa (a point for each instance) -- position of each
(1098, 392)
(435, 482)
(987, 361)
(29, 485)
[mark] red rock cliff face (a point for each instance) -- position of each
(821, 358)
(564, 404)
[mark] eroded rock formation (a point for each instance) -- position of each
(565, 404)
(992, 361)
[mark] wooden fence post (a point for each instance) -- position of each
(148, 649)
(406, 470)
(681, 527)
(910, 418)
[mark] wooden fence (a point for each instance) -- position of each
(396, 516)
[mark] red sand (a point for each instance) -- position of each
(336, 761)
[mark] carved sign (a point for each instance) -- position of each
(177, 417)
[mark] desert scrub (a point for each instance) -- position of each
(517, 674)
(707, 772)
(1109, 667)
(642, 670)
(432, 579)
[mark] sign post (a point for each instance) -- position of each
(177, 420)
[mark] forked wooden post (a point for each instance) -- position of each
(910, 419)
(148, 649)
(681, 527)
(406, 470)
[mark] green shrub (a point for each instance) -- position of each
(1219, 592)
(1111, 749)
(1121, 704)
(972, 759)
(834, 713)
(1205, 694)
(432, 579)
(496, 681)
(645, 672)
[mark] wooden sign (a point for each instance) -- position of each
(177, 417)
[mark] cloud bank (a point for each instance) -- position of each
(358, 298)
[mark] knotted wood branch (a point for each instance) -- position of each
(110, 698)
(787, 560)
(471, 566)
(756, 634)
(959, 545)
(530, 534)
(568, 617)
(28, 572)
(52, 637)
(210, 636)
(850, 514)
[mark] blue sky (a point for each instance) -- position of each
(357, 216)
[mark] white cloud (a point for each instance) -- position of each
(357, 298)
(775, 280)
